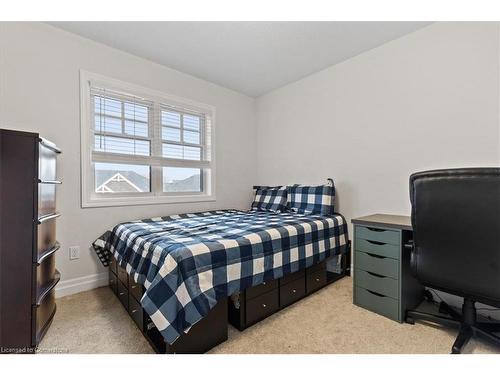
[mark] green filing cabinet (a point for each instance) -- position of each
(383, 282)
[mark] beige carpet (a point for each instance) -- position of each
(326, 322)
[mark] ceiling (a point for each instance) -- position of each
(249, 57)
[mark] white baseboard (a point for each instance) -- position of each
(81, 284)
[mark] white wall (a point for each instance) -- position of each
(427, 100)
(39, 91)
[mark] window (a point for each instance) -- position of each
(140, 146)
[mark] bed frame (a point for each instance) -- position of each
(257, 303)
(254, 304)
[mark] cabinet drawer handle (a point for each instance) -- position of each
(264, 283)
(150, 326)
(375, 242)
(134, 311)
(375, 293)
(134, 286)
(317, 279)
(51, 182)
(376, 275)
(47, 144)
(375, 229)
(294, 290)
(47, 217)
(264, 305)
(121, 293)
(375, 256)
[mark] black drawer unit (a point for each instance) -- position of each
(262, 306)
(123, 276)
(28, 218)
(265, 287)
(292, 291)
(315, 281)
(135, 289)
(258, 302)
(136, 312)
(123, 294)
(204, 335)
(113, 283)
(292, 277)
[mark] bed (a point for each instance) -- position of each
(189, 262)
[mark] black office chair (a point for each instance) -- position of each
(456, 228)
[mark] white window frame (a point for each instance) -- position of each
(89, 198)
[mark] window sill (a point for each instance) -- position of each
(140, 201)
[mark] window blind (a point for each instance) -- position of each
(184, 134)
(122, 123)
(145, 144)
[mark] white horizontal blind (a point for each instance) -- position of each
(121, 123)
(183, 134)
(145, 145)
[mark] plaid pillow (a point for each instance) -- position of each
(270, 199)
(311, 199)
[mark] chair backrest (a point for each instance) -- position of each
(456, 229)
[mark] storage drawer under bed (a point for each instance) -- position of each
(258, 290)
(204, 335)
(315, 281)
(135, 289)
(292, 277)
(292, 292)
(262, 306)
(123, 275)
(113, 283)
(136, 312)
(123, 294)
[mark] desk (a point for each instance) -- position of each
(383, 282)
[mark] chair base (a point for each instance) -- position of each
(467, 323)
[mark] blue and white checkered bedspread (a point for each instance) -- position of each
(188, 262)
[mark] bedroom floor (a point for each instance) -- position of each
(326, 322)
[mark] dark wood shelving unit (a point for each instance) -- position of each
(28, 275)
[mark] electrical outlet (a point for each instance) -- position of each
(74, 252)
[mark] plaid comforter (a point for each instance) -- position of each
(188, 262)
